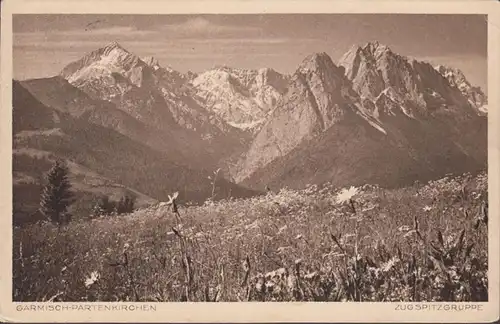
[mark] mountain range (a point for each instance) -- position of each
(373, 117)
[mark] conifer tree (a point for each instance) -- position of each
(57, 196)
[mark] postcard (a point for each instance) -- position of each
(250, 162)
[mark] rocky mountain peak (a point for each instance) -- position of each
(316, 99)
(365, 57)
(376, 49)
(316, 62)
(152, 62)
(415, 85)
(114, 53)
(112, 58)
(321, 75)
(454, 76)
(114, 45)
(242, 97)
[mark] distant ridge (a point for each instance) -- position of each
(375, 116)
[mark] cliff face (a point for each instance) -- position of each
(427, 119)
(317, 97)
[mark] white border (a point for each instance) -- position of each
(251, 312)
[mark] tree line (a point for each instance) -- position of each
(57, 197)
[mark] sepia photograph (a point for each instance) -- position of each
(250, 157)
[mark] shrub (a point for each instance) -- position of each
(125, 205)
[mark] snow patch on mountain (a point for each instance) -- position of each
(103, 62)
(484, 108)
(243, 98)
(457, 79)
(372, 120)
(152, 62)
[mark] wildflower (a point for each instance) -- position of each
(280, 272)
(172, 201)
(427, 208)
(404, 228)
(356, 258)
(94, 276)
(260, 282)
(291, 282)
(254, 224)
(281, 229)
(333, 255)
(269, 275)
(368, 208)
(311, 275)
(346, 194)
(172, 198)
(282, 249)
(269, 285)
(453, 275)
(389, 264)
(409, 233)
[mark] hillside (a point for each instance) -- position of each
(30, 164)
(182, 146)
(354, 154)
(101, 151)
(158, 97)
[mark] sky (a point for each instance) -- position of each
(44, 44)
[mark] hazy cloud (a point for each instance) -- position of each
(202, 26)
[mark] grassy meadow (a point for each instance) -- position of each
(427, 242)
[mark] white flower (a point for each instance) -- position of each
(389, 264)
(94, 276)
(346, 194)
(269, 284)
(368, 208)
(311, 275)
(404, 228)
(427, 208)
(282, 249)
